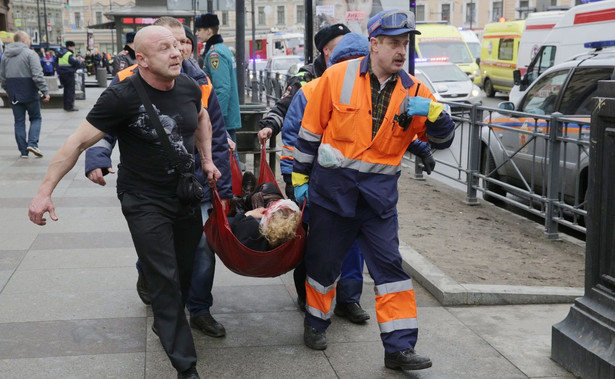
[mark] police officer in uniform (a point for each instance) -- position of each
(126, 57)
(67, 66)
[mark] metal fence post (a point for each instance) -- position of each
(473, 155)
(418, 169)
(584, 342)
(553, 180)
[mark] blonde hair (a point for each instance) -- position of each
(282, 226)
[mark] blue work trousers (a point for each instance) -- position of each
(332, 235)
(200, 298)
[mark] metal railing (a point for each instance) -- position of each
(535, 163)
(539, 167)
(270, 85)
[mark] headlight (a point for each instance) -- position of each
(475, 91)
(477, 72)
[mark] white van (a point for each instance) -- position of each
(538, 25)
(471, 39)
(576, 27)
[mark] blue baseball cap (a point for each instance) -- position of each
(391, 22)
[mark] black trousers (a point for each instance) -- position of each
(166, 234)
(68, 83)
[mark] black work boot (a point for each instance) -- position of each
(406, 359)
(352, 311)
(314, 338)
(208, 325)
(190, 373)
(142, 289)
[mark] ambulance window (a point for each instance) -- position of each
(541, 98)
(543, 60)
(579, 95)
(505, 51)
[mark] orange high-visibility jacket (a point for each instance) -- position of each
(339, 114)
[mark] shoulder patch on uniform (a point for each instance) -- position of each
(214, 62)
(213, 54)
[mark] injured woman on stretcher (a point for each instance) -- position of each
(263, 219)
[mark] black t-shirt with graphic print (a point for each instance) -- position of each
(144, 164)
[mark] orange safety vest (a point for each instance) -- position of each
(343, 116)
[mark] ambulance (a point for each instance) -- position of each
(498, 57)
(537, 26)
(577, 26)
(443, 40)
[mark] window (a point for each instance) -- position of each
(77, 20)
(224, 18)
(470, 13)
(261, 16)
(300, 14)
(545, 59)
(497, 8)
(281, 15)
(420, 13)
(446, 12)
(99, 17)
(541, 98)
(505, 50)
(580, 92)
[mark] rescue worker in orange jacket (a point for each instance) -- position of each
(361, 118)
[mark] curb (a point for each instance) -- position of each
(449, 293)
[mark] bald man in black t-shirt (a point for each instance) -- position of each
(165, 231)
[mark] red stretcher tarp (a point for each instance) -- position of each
(241, 259)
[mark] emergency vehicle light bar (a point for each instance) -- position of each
(599, 44)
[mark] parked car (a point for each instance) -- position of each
(260, 65)
(448, 82)
(516, 152)
(279, 64)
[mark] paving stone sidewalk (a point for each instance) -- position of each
(69, 309)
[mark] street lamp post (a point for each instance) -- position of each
(112, 39)
(46, 27)
(38, 13)
(254, 81)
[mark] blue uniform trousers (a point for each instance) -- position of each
(330, 236)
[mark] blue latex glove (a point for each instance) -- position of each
(418, 106)
(301, 193)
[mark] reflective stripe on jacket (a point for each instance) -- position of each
(292, 125)
(339, 114)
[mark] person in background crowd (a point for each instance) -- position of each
(219, 65)
(358, 123)
(48, 62)
(126, 57)
(67, 66)
(89, 63)
(22, 78)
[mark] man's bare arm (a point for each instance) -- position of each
(61, 163)
(203, 137)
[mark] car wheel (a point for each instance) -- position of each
(487, 166)
(488, 86)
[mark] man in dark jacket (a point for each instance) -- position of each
(22, 78)
(271, 124)
(126, 57)
(67, 66)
